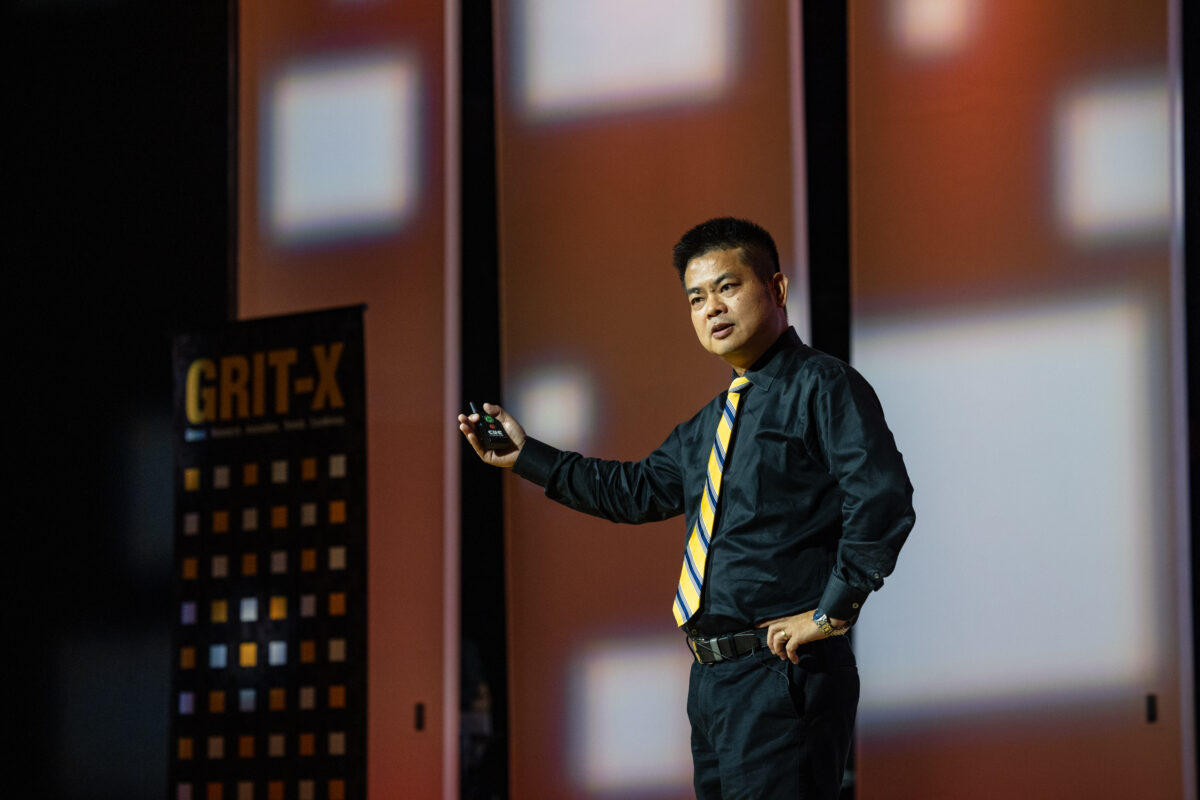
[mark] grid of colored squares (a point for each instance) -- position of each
(275, 608)
(247, 699)
(275, 745)
(221, 475)
(308, 560)
(305, 789)
(228, 671)
(275, 517)
(247, 654)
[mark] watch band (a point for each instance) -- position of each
(826, 627)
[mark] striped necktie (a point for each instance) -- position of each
(695, 555)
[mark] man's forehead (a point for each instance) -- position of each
(714, 265)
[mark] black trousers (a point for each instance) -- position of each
(767, 728)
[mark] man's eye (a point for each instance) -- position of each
(696, 300)
(728, 286)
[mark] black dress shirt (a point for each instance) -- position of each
(815, 501)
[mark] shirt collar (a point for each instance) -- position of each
(762, 372)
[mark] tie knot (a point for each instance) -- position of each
(739, 383)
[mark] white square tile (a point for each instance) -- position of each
(337, 465)
(343, 156)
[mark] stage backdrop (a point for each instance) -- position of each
(269, 693)
(345, 172)
(613, 139)
(1015, 306)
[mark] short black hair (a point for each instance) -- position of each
(729, 233)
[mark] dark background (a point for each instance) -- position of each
(119, 174)
(120, 236)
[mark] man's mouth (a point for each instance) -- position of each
(722, 329)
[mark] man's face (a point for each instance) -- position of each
(735, 314)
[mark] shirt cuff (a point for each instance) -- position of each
(536, 461)
(841, 600)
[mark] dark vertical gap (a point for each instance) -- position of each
(1187, 37)
(233, 155)
(827, 168)
(828, 173)
(484, 668)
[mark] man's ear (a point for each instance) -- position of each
(779, 289)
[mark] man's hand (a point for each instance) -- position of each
(497, 458)
(786, 634)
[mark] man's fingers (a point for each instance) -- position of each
(777, 640)
(468, 432)
(792, 645)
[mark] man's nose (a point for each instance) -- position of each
(714, 305)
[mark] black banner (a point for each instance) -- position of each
(269, 695)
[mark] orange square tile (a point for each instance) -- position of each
(308, 469)
(216, 747)
(245, 747)
(278, 607)
(279, 516)
(274, 790)
(337, 696)
(337, 789)
(218, 611)
(307, 744)
(214, 791)
(249, 563)
(220, 522)
(277, 699)
(186, 748)
(187, 657)
(250, 474)
(337, 604)
(248, 654)
(337, 511)
(216, 702)
(308, 651)
(308, 559)
(190, 568)
(191, 479)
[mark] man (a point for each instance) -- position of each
(797, 503)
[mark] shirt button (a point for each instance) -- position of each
(855, 605)
(875, 575)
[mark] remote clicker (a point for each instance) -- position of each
(489, 431)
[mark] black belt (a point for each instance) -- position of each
(727, 646)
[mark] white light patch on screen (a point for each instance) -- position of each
(1113, 164)
(342, 148)
(577, 57)
(1028, 435)
(557, 405)
(932, 28)
(629, 732)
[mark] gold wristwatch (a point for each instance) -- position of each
(822, 621)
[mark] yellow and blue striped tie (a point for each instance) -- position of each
(695, 555)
